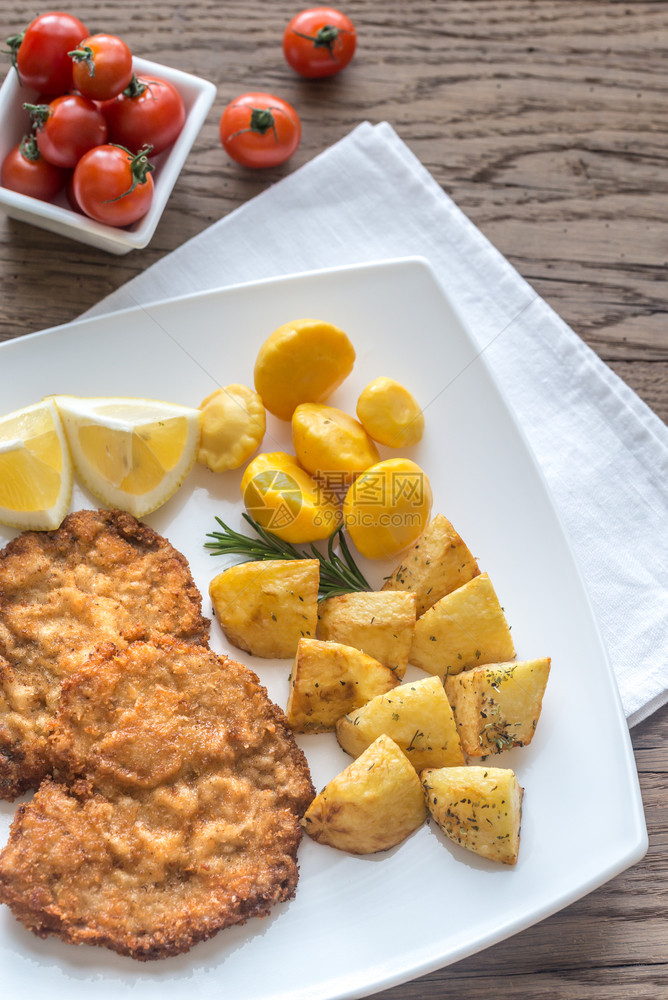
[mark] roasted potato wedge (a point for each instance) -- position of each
(329, 679)
(416, 715)
(497, 706)
(464, 629)
(266, 607)
(380, 624)
(371, 806)
(479, 808)
(438, 563)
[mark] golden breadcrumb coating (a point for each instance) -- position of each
(176, 811)
(102, 575)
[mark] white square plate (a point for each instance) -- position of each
(362, 924)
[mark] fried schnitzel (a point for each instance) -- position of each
(177, 808)
(102, 575)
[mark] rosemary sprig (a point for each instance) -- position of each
(339, 574)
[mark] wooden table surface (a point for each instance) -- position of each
(547, 122)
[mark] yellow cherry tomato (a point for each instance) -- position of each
(286, 501)
(302, 362)
(390, 414)
(328, 440)
(387, 507)
(233, 423)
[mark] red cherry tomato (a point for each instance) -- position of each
(319, 41)
(113, 186)
(69, 192)
(102, 67)
(67, 128)
(260, 130)
(40, 53)
(25, 171)
(148, 111)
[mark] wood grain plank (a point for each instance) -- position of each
(616, 983)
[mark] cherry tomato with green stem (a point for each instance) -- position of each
(319, 42)
(113, 185)
(67, 128)
(25, 171)
(40, 53)
(102, 67)
(260, 130)
(149, 110)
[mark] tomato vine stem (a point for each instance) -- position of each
(261, 121)
(84, 54)
(140, 168)
(326, 37)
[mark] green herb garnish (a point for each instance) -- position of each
(338, 574)
(495, 733)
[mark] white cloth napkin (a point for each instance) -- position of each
(604, 453)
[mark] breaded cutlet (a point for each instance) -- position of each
(101, 576)
(176, 807)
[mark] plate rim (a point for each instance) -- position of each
(636, 844)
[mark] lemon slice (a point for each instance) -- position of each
(35, 468)
(131, 453)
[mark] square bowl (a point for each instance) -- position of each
(198, 96)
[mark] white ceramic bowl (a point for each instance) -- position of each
(57, 216)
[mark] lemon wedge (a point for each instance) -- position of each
(130, 453)
(35, 468)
